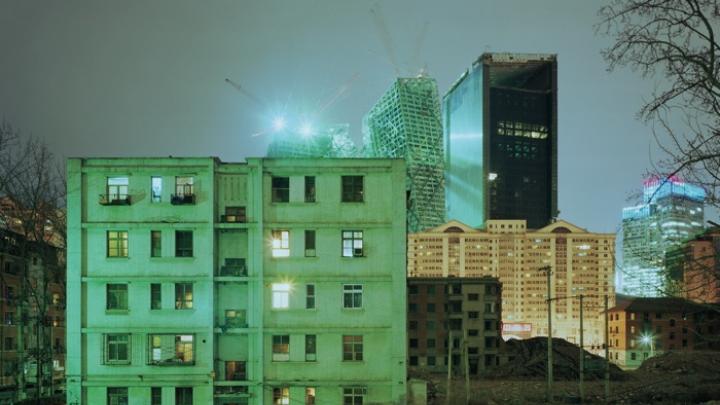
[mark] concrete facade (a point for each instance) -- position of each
(581, 262)
(242, 296)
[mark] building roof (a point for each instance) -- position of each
(656, 304)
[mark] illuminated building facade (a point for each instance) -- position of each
(643, 327)
(697, 262)
(276, 281)
(329, 141)
(405, 123)
(580, 262)
(500, 122)
(671, 213)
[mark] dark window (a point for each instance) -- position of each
(155, 296)
(352, 295)
(309, 243)
(431, 290)
(183, 243)
(117, 297)
(117, 349)
(309, 188)
(431, 360)
(310, 296)
(672, 322)
(234, 214)
(413, 343)
(431, 307)
(281, 348)
(281, 189)
(352, 347)
(183, 396)
(155, 244)
(413, 289)
(117, 396)
(413, 360)
(156, 396)
(352, 189)
(412, 307)
(473, 297)
(412, 325)
(310, 348)
(633, 356)
(431, 343)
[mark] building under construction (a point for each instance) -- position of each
(405, 123)
(330, 141)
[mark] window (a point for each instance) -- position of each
(353, 395)
(310, 296)
(235, 318)
(413, 361)
(431, 290)
(117, 244)
(281, 396)
(155, 296)
(280, 243)
(431, 308)
(413, 343)
(431, 360)
(352, 295)
(633, 356)
(183, 243)
(412, 307)
(183, 295)
(490, 308)
(117, 297)
(352, 243)
(412, 325)
(156, 396)
(9, 344)
(310, 396)
(309, 243)
(156, 189)
(473, 297)
(281, 348)
(168, 349)
(473, 314)
(184, 186)
(352, 189)
(155, 243)
(117, 190)
(234, 214)
(310, 348)
(183, 396)
(280, 295)
(117, 396)
(431, 343)
(412, 289)
(117, 349)
(430, 325)
(281, 189)
(352, 347)
(235, 371)
(309, 188)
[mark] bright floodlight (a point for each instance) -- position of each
(279, 123)
(646, 339)
(306, 129)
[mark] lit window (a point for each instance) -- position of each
(183, 243)
(168, 349)
(117, 396)
(117, 349)
(117, 297)
(352, 189)
(280, 243)
(184, 186)
(352, 347)
(235, 318)
(281, 396)
(280, 189)
(183, 295)
(352, 295)
(281, 348)
(117, 190)
(235, 371)
(117, 244)
(310, 396)
(352, 243)
(354, 395)
(156, 189)
(280, 295)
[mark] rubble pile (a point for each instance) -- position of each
(700, 362)
(528, 359)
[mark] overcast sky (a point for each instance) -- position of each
(146, 78)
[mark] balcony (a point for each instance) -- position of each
(233, 267)
(182, 199)
(234, 215)
(115, 199)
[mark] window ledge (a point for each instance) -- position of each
(361, 309)
(119, 363)
(117, 311)
(117, 257)
(182, 309)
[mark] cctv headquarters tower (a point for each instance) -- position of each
(500, 121)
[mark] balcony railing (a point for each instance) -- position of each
(182, 199)
(241, 218)
(233, 267)
(115, 199)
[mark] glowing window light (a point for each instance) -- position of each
(280, 295)
(280, 243)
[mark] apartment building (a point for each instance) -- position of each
(640, 328)
(275, 281)
(463, 313)
(581, 262)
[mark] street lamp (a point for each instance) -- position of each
(648, 340)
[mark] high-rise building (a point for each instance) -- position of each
(276, 281)
(405, 123)
(328, 141)
(581, 262)
(671, 213)
(697, 263)
(500, 122)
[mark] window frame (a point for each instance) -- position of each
(155, 243)
(155, 296)
(155, 395)
(356, 395)
(279, 193)
(107, 344)
(281, 395)
(280, 296)
(310, 189)
(349, 192)
(122, 299)
(352, 296)
(181, 241)
(310, 243)
(280, 346)
(181, 301)
(186, 188)
(115, 395)
(350, 238)
(177, 340)
(184, 395)
(280, 243)
(156, 198)
(119, 243)
(311, 348)
(310, 296)
(352, 348)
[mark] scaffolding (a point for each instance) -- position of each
(405, 123)
(331, 141)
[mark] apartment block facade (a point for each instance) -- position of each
(275, 281)
(642, 327)
(453, 317)
(581, 262)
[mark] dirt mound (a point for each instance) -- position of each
(528, 358)
(706, 363)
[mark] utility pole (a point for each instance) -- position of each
(467, 365)
(449, 363)
(582, 353)
(607, 355)
(548, 393)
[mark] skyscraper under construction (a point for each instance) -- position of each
(500, 121)
(405, 123)
(327, 141)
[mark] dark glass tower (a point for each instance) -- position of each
(500, 122)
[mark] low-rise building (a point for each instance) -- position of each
(463, 313)
(699, 266)
(642, 327)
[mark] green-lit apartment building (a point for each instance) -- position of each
(275, 281)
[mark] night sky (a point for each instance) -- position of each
(146, 78)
